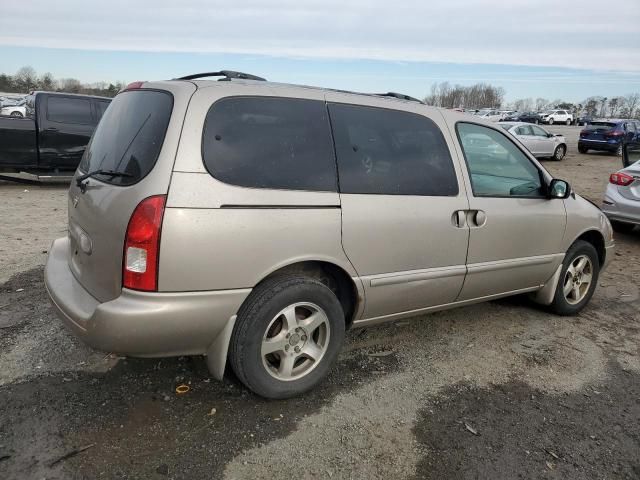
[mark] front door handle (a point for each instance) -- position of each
(458, 218)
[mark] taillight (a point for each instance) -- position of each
(142, 245)
(615, 133)
(621, 179)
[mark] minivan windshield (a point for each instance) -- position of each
(129, 136)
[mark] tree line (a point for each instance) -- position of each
(443, 94)
(625, 106)
(482, 95)
(27, 79)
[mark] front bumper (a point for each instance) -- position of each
(144, 324)
(618, 208)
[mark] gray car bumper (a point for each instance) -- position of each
(621, 209)
(146, 324)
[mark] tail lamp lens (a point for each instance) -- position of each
(142, 245)
(621, 179)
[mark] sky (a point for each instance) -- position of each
(556, 49)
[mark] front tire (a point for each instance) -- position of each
(578, 279)
(619, 151)
(287, 336)
(559, 152)
(551, 121)
(16, 115)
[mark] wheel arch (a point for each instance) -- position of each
(595, 238)
(349, 293)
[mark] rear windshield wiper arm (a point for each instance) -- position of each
(109, 173)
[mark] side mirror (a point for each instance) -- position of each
(630, 154)
(559, 189)
(549, 135)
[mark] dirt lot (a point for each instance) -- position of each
(498, 390)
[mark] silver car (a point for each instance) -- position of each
(255, 222)
(621, 201)
(539, 142)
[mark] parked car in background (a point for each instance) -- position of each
(608, 135)
(556, 116)
(9, 101)
(52, 134)
(527, 117)
(185, 181)
(621, 203)
(584, 119)
(538, 141)
(490, 115)
(18, 110)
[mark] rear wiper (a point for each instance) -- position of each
(110, 173)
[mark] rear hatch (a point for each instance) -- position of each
(597, 131)
(137, 136)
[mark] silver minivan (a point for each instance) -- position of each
(255, 222)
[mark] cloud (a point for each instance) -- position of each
(568, 33)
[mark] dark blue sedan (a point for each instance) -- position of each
(608, 135)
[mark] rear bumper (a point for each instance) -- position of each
(145, 324)
(603, 145)
(618, 208)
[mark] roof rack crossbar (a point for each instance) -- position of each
(401, 96)
(227, 74)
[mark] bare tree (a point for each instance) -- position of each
(541, 104)
(614, 105)
(632, 103)
(25, 79)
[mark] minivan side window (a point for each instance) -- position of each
(270, 142)
(497, 167)
(390, 152)
(69, 110)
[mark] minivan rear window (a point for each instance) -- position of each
(270, 142)
(129, 136)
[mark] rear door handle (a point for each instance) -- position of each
(476, 218)
(51, 129)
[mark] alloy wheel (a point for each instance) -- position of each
(295, 341)
(577, 279)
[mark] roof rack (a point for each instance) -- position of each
(227, 74)
(401, 96)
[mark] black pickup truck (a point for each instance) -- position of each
(52, 136)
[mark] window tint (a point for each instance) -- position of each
(69, 110)
(101, 106)
(497, 167)
(130, 136)
(267, 142)
(390, 152)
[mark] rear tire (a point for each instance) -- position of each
(583, 149)
(619, 151)
(284, 324)
(622, 227)
(551, 121)
(16, 115)
(559, 152)
(568, 122)
(580, 265)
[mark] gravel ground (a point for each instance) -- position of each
(498, 390)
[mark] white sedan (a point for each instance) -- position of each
(538, 141)
(18, 110)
